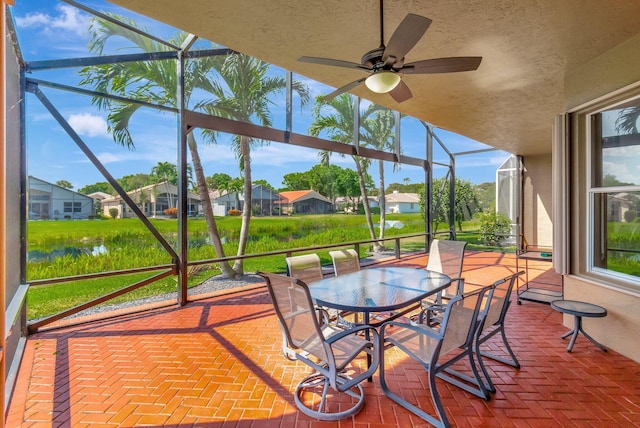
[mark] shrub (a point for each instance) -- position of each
(113, 212)
(630, 215)
(235, 212)
(171, 212)
(494, 228)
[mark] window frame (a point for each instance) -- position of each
(622, 280)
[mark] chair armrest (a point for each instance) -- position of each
(460, 288)
(349, 332)
(418, 328)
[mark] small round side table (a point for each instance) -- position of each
(579, 310)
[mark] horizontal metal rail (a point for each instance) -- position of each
(289, 251)
(37, 282)
(169, 270)
(33, 327)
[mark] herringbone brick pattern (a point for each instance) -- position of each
(217, 362)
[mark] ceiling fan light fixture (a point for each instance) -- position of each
(382, 82)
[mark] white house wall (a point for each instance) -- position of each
(54, 198)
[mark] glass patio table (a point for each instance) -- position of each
(377, 290)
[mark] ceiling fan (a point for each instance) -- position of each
(385, 64)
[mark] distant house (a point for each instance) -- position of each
(402, 202)
(263, 199)
(348, 204)
(304, 202)
(97, 198)
(153, 200)
(99, 195)
(48, 201)
(618, 204)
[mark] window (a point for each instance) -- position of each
(614, 192)
(73, 207)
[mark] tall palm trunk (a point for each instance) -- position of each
(212, 227)
(365, 203)
(382, 200)
(245, 151)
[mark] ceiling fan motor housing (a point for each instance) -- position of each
(373, 58)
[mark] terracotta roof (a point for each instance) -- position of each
(293, 195)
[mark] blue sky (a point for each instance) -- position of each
(50, 29)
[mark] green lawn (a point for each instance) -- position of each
(68, 248)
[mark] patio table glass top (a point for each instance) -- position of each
(377, 289)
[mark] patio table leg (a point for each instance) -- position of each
(574, 334)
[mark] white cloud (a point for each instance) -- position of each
(88, 124)
(69, 19)
(276, 154)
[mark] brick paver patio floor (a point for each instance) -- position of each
(217, 362)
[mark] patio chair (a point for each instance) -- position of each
(306, 268)
(445, 257)
(345, 261)
(493, 324)
(428, 346)
(328, 393)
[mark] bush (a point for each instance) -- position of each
(113, 212)
(494, 228)
(630, 216)
(171, 212)
(235, 212)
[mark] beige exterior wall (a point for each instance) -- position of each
(536, 201)
(620, 330)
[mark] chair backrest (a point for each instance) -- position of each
(500, 300)
(307, 267)
(461, 320)
(447, 257)
(296, 314)
(345, 261)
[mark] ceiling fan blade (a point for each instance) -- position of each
(410, 30)
(401, 92)
(343, 89)
(332, 62)
(442, 65)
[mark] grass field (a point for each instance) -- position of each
(68, 248)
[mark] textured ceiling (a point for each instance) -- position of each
(528, 46)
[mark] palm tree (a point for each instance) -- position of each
(336, 116)
(379, 134)
(154, 82)
(627, 120)
(168, 173)
(244, 94)
(235, 186)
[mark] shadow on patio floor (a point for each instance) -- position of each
(217, 362)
